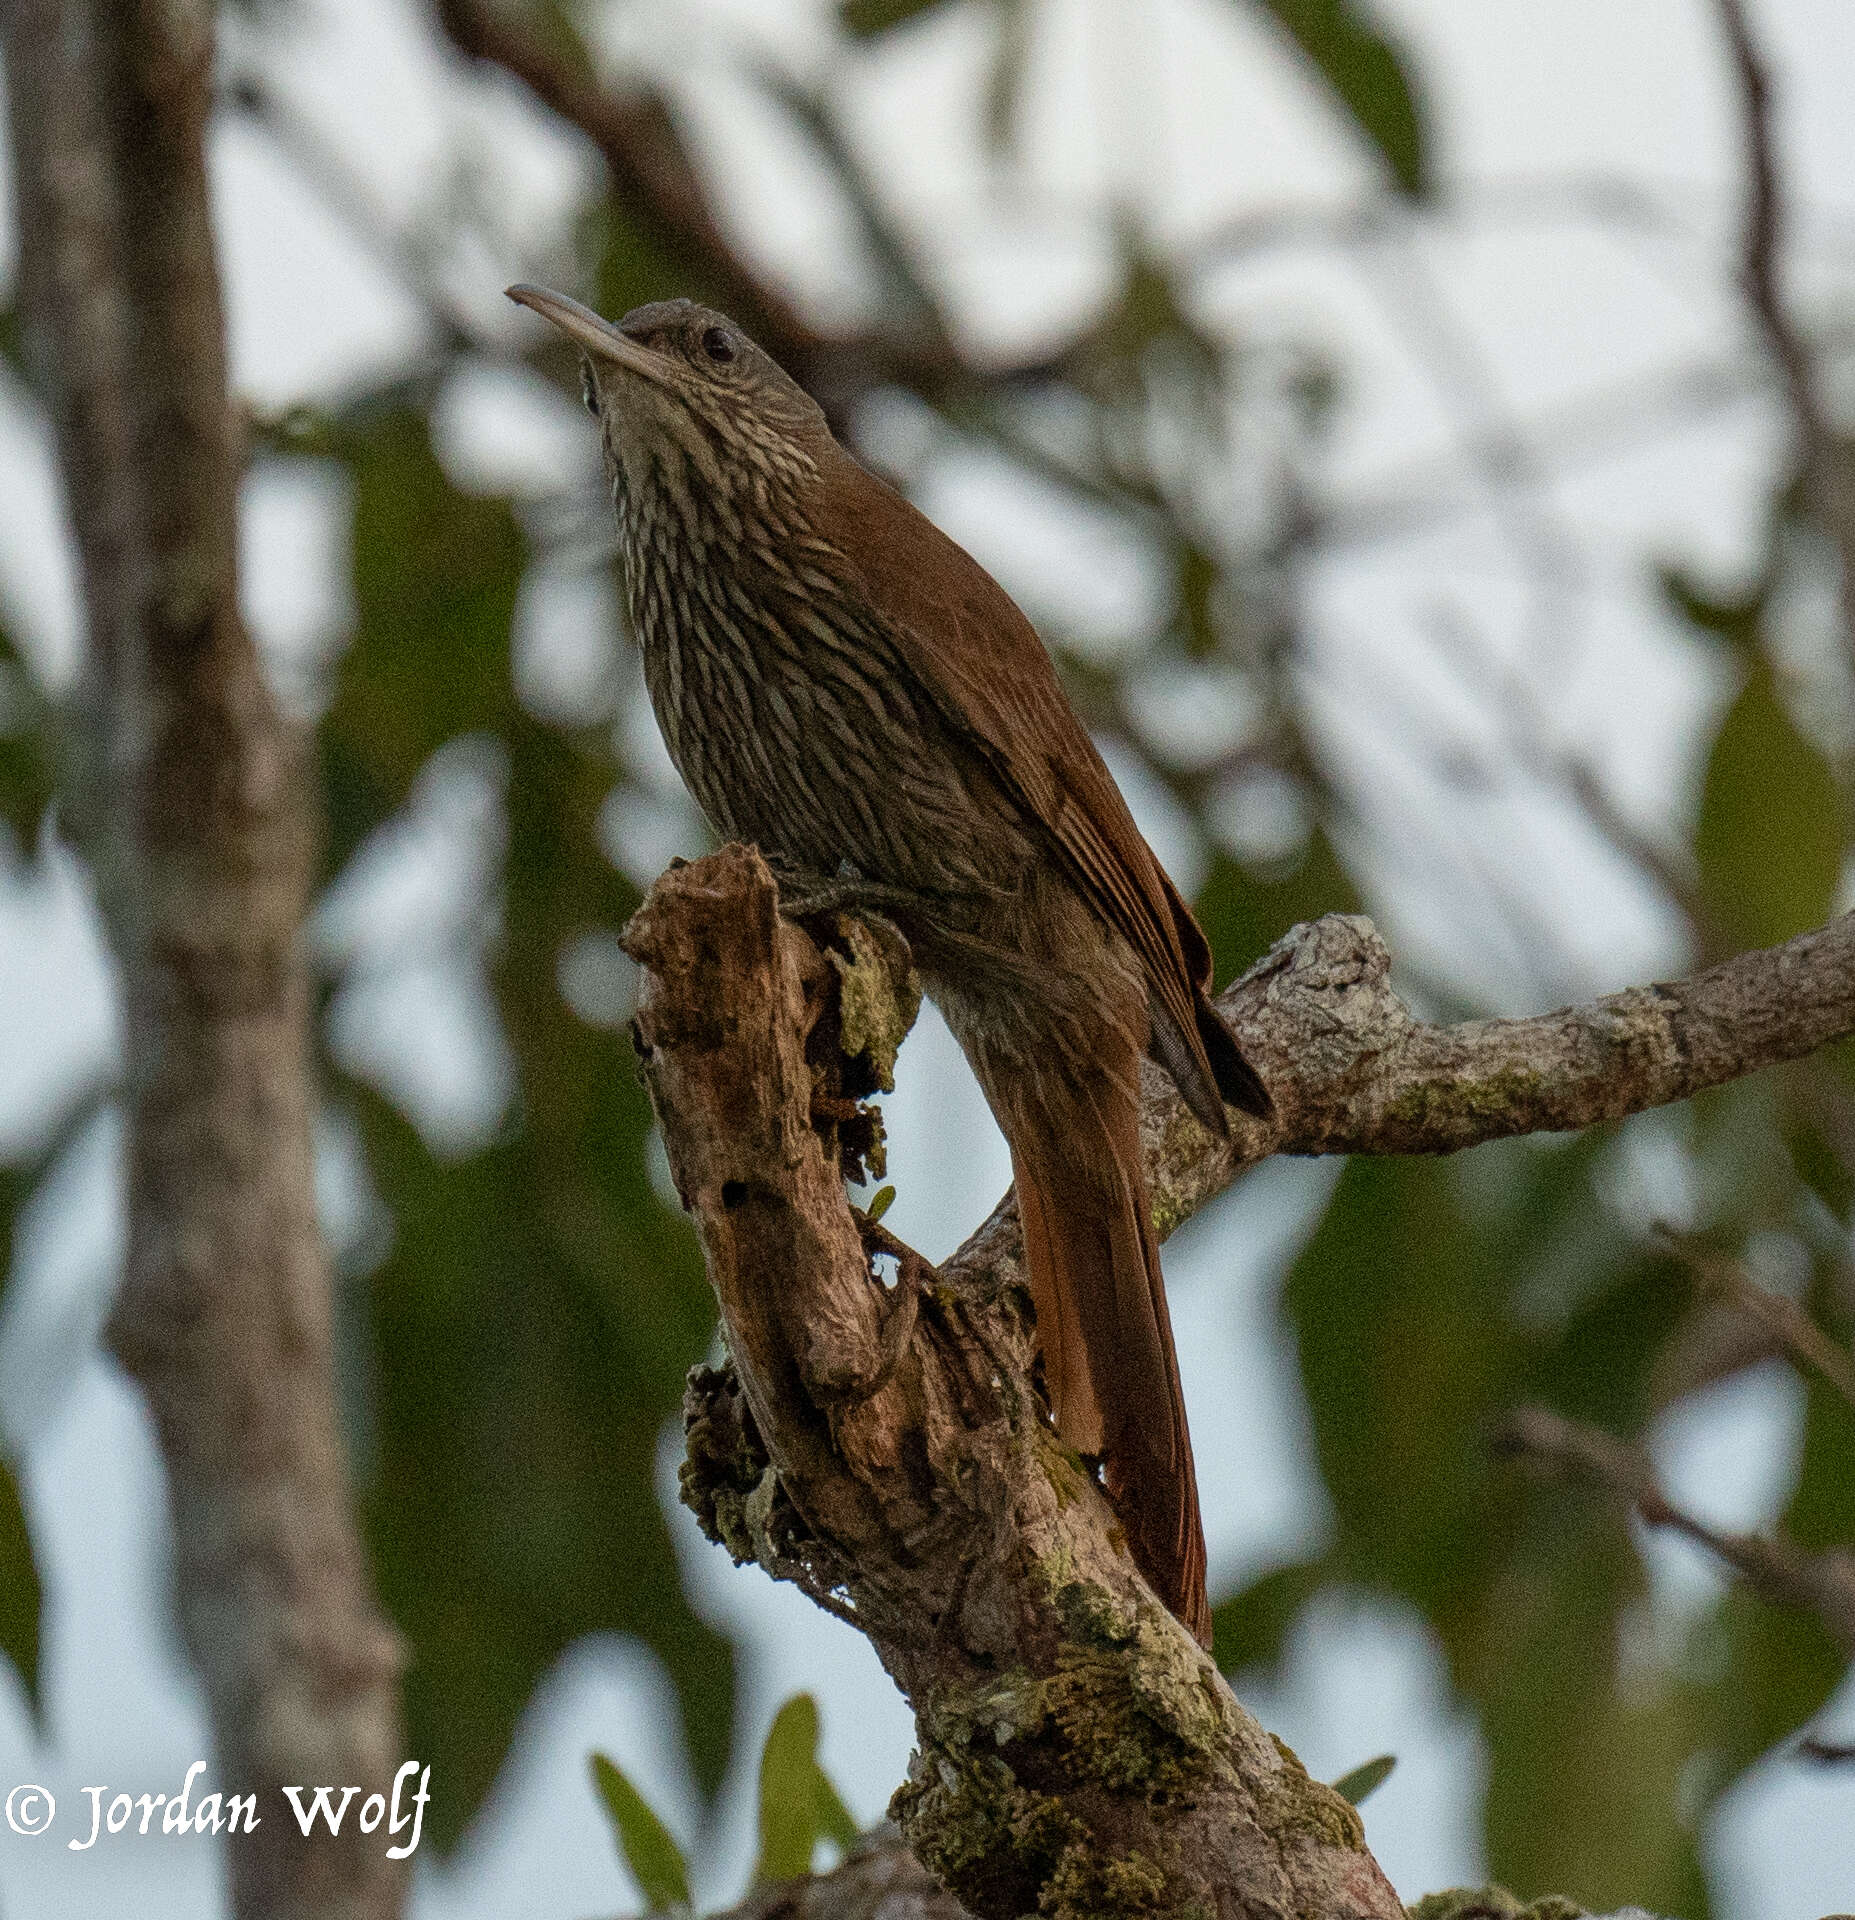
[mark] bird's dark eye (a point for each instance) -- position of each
(718, 344)
(589, 390)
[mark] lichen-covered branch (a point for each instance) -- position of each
(192, 804)
(1078, 1754)
(1353, 1072)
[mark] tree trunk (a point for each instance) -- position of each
(188, 792)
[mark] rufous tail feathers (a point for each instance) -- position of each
(1109, 1361)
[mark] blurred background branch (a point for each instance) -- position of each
(187, 791)
(1820, 1585)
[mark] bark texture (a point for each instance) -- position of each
(1353, 1072)
(882, 1446)
(188, 791)
(882, 1880)
(1079, 1755)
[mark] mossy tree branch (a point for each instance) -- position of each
(1353, 1072)
(1077, 1754)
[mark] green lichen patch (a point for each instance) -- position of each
(1062, 1466)
(1492, 1903)
(878, 997)
(1087, 1886)
(1091, 1615)
(1031, 1787)
(1178, 1687)
(1500, 1103)
(991, 1840)
(1169, 1213)
(1138, 1720)
(1293, 1801)
(1009, 1708)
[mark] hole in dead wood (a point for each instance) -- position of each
(733, 1194)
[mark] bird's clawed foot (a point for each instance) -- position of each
(802, 896)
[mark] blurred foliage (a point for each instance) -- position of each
(1367, 74)
(1364, 68)
(26, 791)
(20, 1597)
(1433, 1297)
(799, 1807)
(26, 749)
(531, 1304)
(800, 1810)
(21, 1600)
(1770, 835)
(645, 1844)
(538, 1306)
(1362, 1782)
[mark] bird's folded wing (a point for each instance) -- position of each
(969, 642)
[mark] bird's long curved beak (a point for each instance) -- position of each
(589, 333)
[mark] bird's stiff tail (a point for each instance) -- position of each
(1109, 1361)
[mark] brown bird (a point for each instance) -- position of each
(842, 685)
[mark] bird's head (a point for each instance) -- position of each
(675, 378)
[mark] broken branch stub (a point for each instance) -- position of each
(1077, 1753)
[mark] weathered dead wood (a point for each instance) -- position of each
(1078, 1754)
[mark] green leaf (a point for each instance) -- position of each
(1770, 836)
(1366, 72)
(1365, 1780)
(880, 1203)
(1251, 1628)
(21, 1601)
(798, 1804)
(863, 18)
(646, 1845)
(789, 1792)
(26, 769)
(836, 1822)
